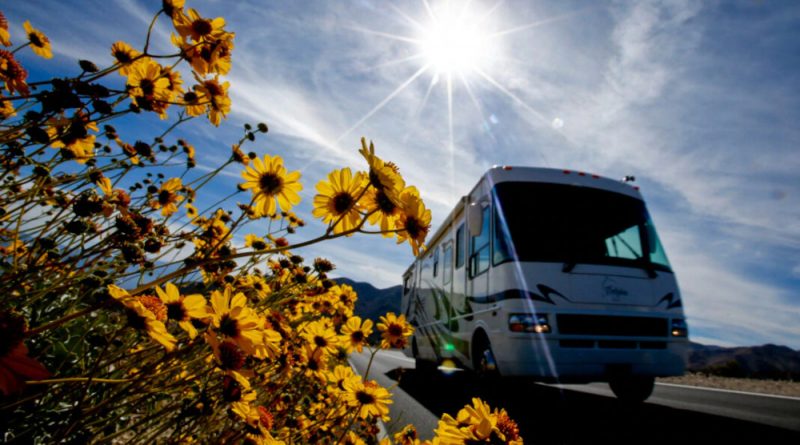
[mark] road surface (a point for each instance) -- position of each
(578, 414)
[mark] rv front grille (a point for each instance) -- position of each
(612, 344)
(616, 344)
(576, 324)
(576, 343)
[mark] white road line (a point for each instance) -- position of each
(730, 391)
(400, 357)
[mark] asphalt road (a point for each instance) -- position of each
(583, 414)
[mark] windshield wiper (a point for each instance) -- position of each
(651, 271)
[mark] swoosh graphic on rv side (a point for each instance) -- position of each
(510, 294)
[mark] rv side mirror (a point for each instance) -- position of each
(475, 219)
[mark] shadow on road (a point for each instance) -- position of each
(548, 415)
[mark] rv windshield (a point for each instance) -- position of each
(572, 224)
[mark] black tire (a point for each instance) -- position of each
(632, 389)
(483, 360)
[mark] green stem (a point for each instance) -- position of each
(74, 380)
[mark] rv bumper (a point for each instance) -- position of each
(589, 360)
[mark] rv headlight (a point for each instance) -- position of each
(679, 328)
(528, 323)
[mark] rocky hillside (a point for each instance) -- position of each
(763, 362)
(373, 302)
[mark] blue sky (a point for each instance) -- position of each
(699, 100)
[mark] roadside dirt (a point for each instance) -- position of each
(777, 387)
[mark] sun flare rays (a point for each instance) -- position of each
(456, 44)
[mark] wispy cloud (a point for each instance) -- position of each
(698, 100)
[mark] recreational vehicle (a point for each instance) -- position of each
(551, 274)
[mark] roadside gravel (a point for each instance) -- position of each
(777, 387)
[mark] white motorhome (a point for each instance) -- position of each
(552, 274)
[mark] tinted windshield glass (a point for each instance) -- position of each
(565, 223)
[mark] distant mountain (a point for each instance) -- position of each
(761, 362)
(373, 302)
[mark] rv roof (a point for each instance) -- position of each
(537, 174)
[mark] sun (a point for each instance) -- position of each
(455, 42)
(460, 45)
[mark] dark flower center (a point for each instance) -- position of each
(231, 390)
(270, 183)
(123, 57)
(395, 330)
(35, 40)
(176, 311)
(342, 202)
(230, 356)
(384, 203)
(148, 87)
(365, 398)
(229, 326)
(413, 228)
(320, 341)
(164, 197)
(357, 336)
(135, 320)
(213, 89)
(374, 180)
(201, 27)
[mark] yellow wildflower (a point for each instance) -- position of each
(39, 42)
(414, 221)
(337, 202)
(183, 308)
(272, 185)
(168, 197)
(394, 331)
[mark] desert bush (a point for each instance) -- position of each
(128, 311)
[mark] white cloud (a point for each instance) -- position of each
(734, 307)
(661, 90)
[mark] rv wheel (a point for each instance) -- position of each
(632, 389)
(483, 359)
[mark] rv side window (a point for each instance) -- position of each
(447, 264)
(502, 240)
(436, 262)
(479, 247)
(460, 247)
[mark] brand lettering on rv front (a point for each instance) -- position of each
(612, 290)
